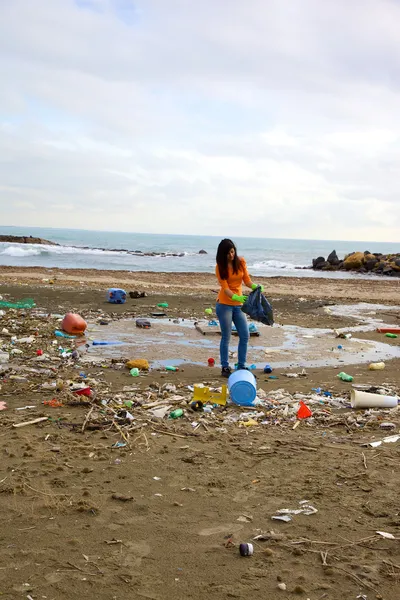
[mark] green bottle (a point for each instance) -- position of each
(171, 368)
(162, 305)
(391, 335)
(344, 377)
(176, 414)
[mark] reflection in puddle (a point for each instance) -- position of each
(178, 343)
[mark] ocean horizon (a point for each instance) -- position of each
(108, 250)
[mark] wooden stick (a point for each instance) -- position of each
(122, 433)
(39, 420)
(85, 422)
(387, 562)
(324, 556)
(365, 461)
(355, 577)
(171, 434)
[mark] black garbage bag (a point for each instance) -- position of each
(258, 308)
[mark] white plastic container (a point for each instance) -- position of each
(242, 387)
(366, 400)
(378, 366)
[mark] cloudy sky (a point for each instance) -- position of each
(265, 118)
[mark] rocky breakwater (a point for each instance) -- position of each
(361, 262)
(25, 239)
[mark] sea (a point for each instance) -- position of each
(82, 249)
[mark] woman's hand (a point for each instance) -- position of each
(254, 286)
(237, 298)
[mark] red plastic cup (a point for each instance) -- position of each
(211, 362)
(39, 352)
(304, 412)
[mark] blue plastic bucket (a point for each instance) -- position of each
(242, 388)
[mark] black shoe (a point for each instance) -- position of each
(226, 371)
(242, 369)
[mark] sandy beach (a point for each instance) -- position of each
(162, 515)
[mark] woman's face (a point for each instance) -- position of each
(231, 254)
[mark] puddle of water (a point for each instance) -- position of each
(288, 346)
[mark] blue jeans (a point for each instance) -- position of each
(226, 315)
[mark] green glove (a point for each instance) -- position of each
(255, 286)
(237, 298)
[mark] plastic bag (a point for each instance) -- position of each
(258, 308)
(26, 303)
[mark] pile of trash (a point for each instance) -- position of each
(38, 357)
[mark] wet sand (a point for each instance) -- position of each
(66, 534)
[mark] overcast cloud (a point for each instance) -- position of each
(264, 118)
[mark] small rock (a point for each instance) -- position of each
(282, 586)
(122, 498)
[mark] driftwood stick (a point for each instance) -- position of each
(365, 461)
(85, 422)
(39, 420)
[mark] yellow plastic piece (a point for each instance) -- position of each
(203, 394)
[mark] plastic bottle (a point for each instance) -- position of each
(134, 372)
(176, 414)
(268, 369)
(169, 368)
(162, 305)
(376, 366)
(345, 377)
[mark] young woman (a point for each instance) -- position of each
(231, 271)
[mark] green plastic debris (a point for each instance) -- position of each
(162, 305)
(391, 335)
(345, 377)
(25, 303)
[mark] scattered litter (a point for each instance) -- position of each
(388, 536)
(345, 377)
(379, 366)
(284, 518)
(387, 440)
(302, 373)
(26, 303)
(119, 445)
(139, 363)
(246, 549)
(283, 514)
(304, 412)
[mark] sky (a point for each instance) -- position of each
(264, 118)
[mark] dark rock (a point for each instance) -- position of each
(377, 254)
(327, 267)
(370, 264)
(203, 252)
(17, 239)
(319, 262)
(340, 265)
(397, 262)
(137, 294)
(333, 258)
(387, 270)
(367, 252)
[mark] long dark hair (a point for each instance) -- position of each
(222, 258)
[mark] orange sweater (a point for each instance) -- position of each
(233, 283)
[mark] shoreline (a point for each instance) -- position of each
(204, 284)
